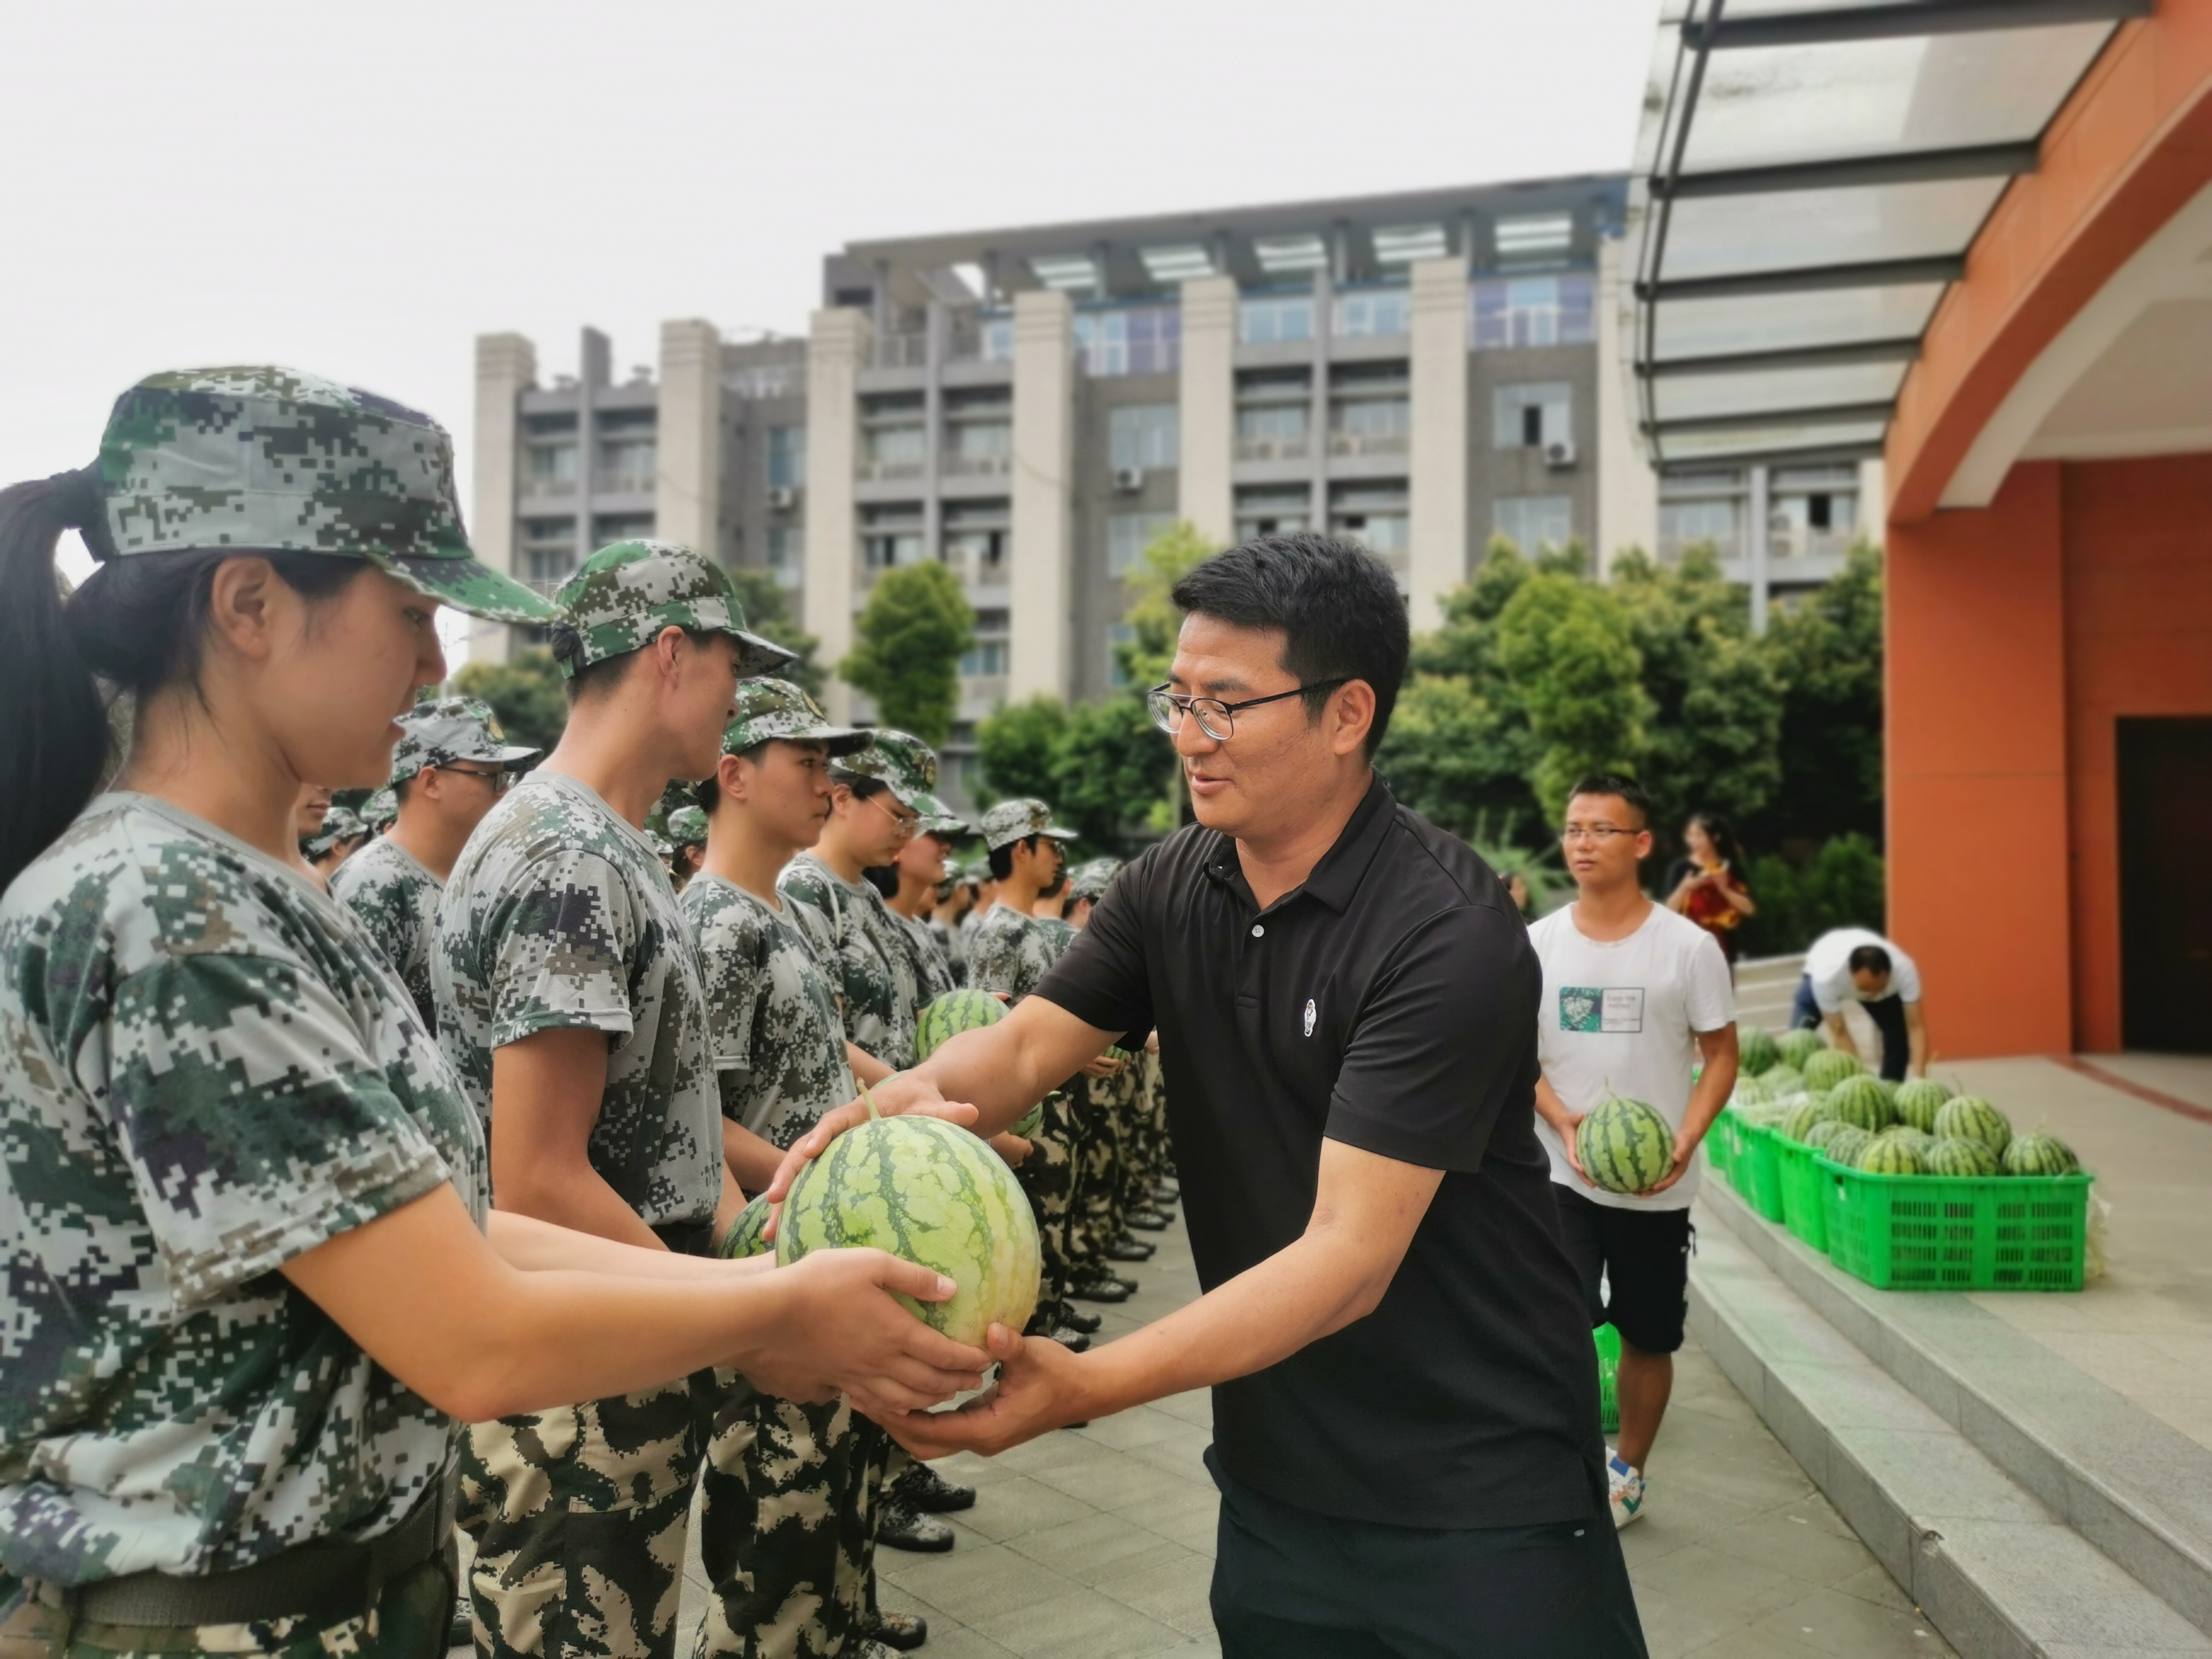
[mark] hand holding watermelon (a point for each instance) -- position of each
(843, 1329)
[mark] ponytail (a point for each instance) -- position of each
(135, 623)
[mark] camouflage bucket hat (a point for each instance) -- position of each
(381, 810)
(770, 708)
(270, 459)
(687, 827)
(906, 765)
(340, 823)
(1010, 821)
(624, 594)
(1090, 879)
(451, 729)
(938, 819)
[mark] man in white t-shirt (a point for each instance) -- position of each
(1857, 964)
(1634, 995)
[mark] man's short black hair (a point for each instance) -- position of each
(1613, 783)
(1002, 858)
(1339, 610)
(1869, 959)
(589, 680)
(706, 793)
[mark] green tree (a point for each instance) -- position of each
(1826, 651)
(1458, 757)
(1569, 652)
(526, 693)
(913, 633)
(1109, 765)
(767, 612)
(1152, 616)
(1018, 747)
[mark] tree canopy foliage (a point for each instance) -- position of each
(767, 610)
(525, 692)
(913, 632)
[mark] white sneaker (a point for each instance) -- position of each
(1627, 1491)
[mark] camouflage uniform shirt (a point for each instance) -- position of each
(864, 946)
(397, 900)
(777, 1039)
(558, 916)
(1011, 952)
(932, 964)
(207, 1068)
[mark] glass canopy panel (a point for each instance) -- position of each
(1693, 396)
(1675, 11)
(1714, 448)
(1771, 106)
(1790, 230)
(1781, 322)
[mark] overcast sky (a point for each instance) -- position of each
(360, 190)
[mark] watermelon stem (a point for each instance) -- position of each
(874, 1116)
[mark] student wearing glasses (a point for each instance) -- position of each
(451, 765)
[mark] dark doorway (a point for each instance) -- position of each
(2165, 885)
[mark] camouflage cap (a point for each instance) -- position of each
(447, 729)
(339, 823)
(770, 708)
(687, 827)
(1090, 879)
(906, 765)
(1010, 821)
(263, 458)
(381, 810)
(937, 819)
(660, 847)
(624, 594)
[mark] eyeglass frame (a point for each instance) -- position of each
(908, 828)
(500, 778)
(1188, 704)
(1599, 833)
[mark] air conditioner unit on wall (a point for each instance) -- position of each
(1129, 480)
(1559, 452)
(783, 498)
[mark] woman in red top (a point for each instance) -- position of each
(1709, 886)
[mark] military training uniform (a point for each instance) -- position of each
(207, 1069)
(559, 915)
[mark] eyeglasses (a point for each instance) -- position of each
(1217, 719)
(1599, 833)
(500, 781)
(907, 828)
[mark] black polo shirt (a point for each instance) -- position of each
(1389, 1003)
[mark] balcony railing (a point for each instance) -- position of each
(977, 466)
(1367, 443)
(1271, 449)
(886, 471)
(540, 484)
(981, 340)
(906, 350)
(622, 483)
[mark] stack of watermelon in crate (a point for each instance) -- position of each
(1908, 1187)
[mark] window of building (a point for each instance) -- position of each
(1128, 536)
(1366, 312)
(1369, 410)
(549, 469)
(1530, 522)
(1273, 510)
(987, 655)
(974, 540)
(626, 465)
(610, 527)
(1276, 318)
(1510, 313)
(786, 457)
(891, 535)
(892, 441)
(549, 551)
(1528, 417)
(544, 426)
(1684, 524)
(1272, 423)
(978, 432)
(1812, 511)
(1142, 436)
(1273, 409)
(1120, 633)
(1374, 514)
(1129, 340)
(786, 554)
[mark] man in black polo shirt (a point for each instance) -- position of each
(1405, 1421)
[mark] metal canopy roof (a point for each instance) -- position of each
(1810, 175)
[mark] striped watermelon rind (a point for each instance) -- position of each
(1918, 1100)
(1971, 1118)
(1755, 1051)
(1826, 1068)
(1846, 1144)
(1959, 1157)
(1625, 1147)
(1860, 1100)
(1812, 1110)
(1890, 1155)
(2039, 1154)
(946, 1017)
(1029, 1122)
(930, 1192)
(743, 1238)
(1797, 1046)
(1825, 1131)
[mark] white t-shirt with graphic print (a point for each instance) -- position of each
(1624, 1017)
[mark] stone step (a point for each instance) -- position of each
(2136, 1487)
(1996, 1570)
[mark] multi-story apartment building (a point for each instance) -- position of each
(1419, 371)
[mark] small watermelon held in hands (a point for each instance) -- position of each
(744, 1237)
(1625, 1145)
(1918, 1100)
(1969, 1117)
(2039, 1154)
(946, 1017)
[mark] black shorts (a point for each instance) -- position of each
(1642, 1255)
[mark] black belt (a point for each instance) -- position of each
(328, 1578)
(686, 1237)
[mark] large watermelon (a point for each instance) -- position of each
(1826, 1068)
(1860, 1100)
(1810, 1110)
(1782, 1080)
(743, 1238)
(1625, 1145)
(1920, 1143)
(1969, 1117)
(950, 1015)
(1888, 1155)
(1962, 1158)
(1919, 1100)
(1825, 1131)
(1797, 1047)
(929, 1191)
(1846, 1144)
(2039, 1154)
(1755, 1051)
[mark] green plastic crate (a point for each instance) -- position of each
(1609, 1379)
(1804, 1192)
(1761, 1185)
(1719, 1141)
(1739, 1170)
(1921, 1233)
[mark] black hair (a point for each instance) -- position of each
(1339, 607)
(1868, 959)
(884, 878)
(1002, 858)
(706, 793)
(588, 680)
(863, 788)
(400, 790)
(1718, 832)
(1615, 783)
(135, 626)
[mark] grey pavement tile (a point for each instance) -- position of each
(1196, 1406)
(1182, 1455)
(974, 1584)
(1191, 1518)
(1014, 1507)
(1173, 1593)
(1828, 1621)
(1938, 1476)
(1081, 1624)
(1759, 1484)
(1875, 1584)
(1098, 1547)
(1790, 1545)
(1719, 1584)
(2059, 1588)
(1122, 1483)
(1140, 1426)
(1753, 1644)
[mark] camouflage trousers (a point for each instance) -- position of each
(580, 1516)
(1149, 1159)
(1049, 1175)
(410, 1620)
(788, 1527)
(1104, 1119)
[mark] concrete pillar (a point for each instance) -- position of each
(1758, 544)
(1040, 599)
(1627, 488)
(1437, 457)
(687, 496)
(837, 346)
(507, 366)
(1874, 499)
(1209, 407)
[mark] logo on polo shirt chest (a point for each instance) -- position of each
(1312, 1014)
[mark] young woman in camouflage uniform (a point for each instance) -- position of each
(242, 1194)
